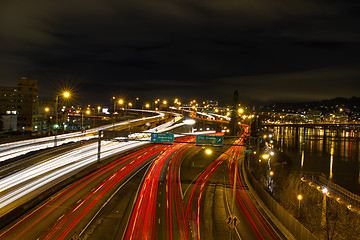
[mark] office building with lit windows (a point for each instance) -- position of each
(21, 101)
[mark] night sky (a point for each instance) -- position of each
(277, 50)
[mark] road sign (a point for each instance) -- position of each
(232, 221)
(162, 137)
(247, 151)
(209, 140)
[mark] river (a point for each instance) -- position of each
(332, 152)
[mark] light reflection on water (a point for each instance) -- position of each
(333, 152)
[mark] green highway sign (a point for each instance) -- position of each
(162, 137)
(209, 140)
(247, 151)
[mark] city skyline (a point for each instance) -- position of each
(286, 51)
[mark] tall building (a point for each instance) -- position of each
(8, 100)
(21, 100)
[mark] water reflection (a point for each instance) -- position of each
(331, 160)
(335, 152)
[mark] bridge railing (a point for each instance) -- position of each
(321, 180)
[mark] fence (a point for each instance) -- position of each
(293, 225)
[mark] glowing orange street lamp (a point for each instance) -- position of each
(299, 197)
(65, 94)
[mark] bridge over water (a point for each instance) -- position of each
(316, 125)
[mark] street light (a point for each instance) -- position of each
(46, 110)
(82, 119)
(121, 102)
(299, 197)
(208, 151)
(65, 94)
(323, 209)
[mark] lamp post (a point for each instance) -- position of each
(323, 209)
(164, 104)
(46, 110)
(299, 197)
(121, 102)
(147, 106)
(136, 102)
(113, 98)
(65, 95)
(82, 119)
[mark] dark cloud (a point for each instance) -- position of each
(184, 48)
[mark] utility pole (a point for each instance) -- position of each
(56, 118)
(99, 146)
(234, 122)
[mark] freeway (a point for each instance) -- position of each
(176, 192)
(26, 184)
(72, 209)
(187, 195)
(14, 149)
(209, 204)
(157, 212)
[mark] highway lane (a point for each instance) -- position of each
(73, 208)
(143, 221)
(209, 203)
(18, 148)
(170, 210)
(157, 202)
(197, 206)
(159, 212)
(24, 185)
(253, 222)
